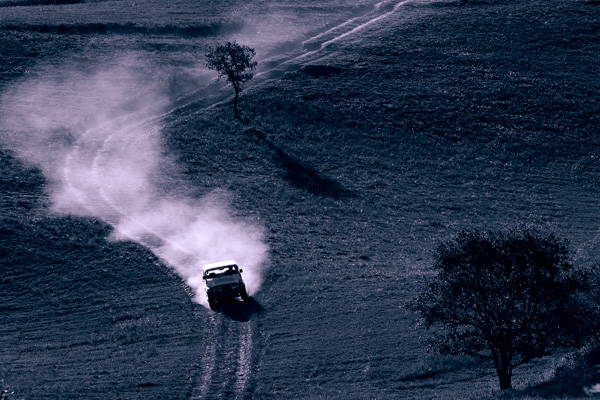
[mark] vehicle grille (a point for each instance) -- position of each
(227, 288)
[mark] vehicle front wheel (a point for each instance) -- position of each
(212, 303)
(244, 294)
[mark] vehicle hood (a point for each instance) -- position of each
(225, 280)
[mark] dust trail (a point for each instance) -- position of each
(96, 138)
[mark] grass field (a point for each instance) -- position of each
(359, 153)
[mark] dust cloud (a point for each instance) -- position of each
(97, 138)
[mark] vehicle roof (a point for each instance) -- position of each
(219, 264)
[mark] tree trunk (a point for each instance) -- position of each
(235, 105)
(503, 370)
(505, 378)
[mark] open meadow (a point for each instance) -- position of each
(371, 132)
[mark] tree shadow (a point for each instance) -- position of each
(301, 175)
(239, 310)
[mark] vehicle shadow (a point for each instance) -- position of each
(239, 310)
(301, 175)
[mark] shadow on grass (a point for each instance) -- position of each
(239, 310)
(301, 175)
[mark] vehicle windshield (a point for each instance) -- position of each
(220, 272)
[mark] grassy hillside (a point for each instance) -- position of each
(356, 159)
(442, 117)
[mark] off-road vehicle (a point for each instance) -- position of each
(223, 280)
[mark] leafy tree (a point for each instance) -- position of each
(232, 61)
(503, 296)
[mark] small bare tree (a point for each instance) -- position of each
(234, 62)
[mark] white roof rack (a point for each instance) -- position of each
(219, 264)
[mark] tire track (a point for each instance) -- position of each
(376, 8)
(244, 359)
(232, 348)
(208, 360)
(355, 29)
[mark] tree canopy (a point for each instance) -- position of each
(503, 296)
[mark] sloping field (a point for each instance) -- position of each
(373, 131)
